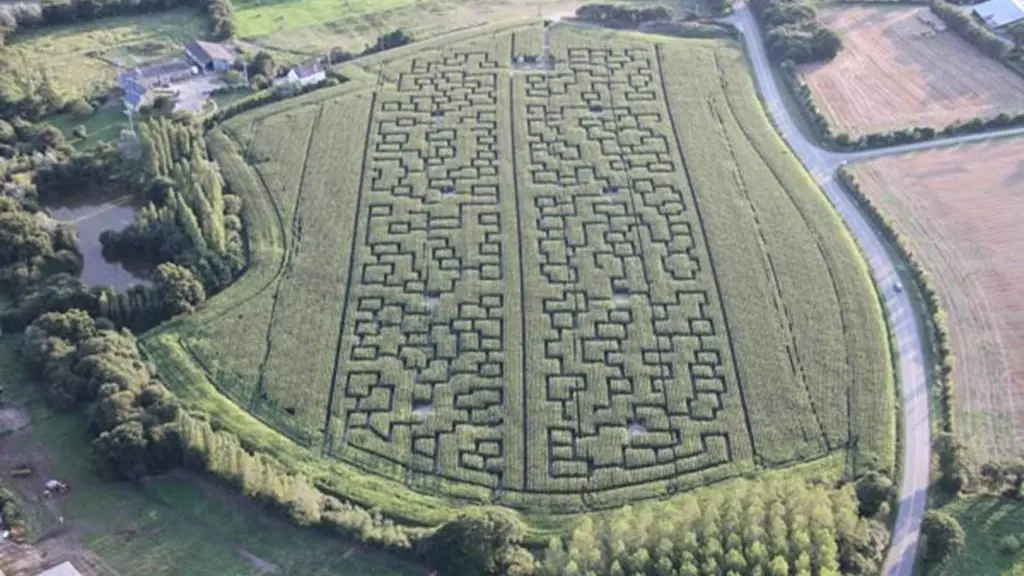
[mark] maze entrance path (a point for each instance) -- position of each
(532, 307)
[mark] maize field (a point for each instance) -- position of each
(592, 278)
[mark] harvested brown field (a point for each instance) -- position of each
(901, 68)
(961, 209)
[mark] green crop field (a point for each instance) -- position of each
(553, 288)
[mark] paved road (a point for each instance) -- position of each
(822, 164)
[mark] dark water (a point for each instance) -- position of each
(91, 217)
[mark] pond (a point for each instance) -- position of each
(91, 216)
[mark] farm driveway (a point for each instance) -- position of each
(193, 93)
(822, 164)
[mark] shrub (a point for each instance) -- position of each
(80, 132)
(793, 32)
(80, 108)
(942, 536)
(1009, 545)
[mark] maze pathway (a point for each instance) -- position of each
(532, 306)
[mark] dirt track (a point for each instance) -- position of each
(960, 208)
(900, 68)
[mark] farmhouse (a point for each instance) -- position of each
(137, 82)
(304, 75)
(210, 56)
(1000, 13)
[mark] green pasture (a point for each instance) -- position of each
(556, 291)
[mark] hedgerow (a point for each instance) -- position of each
(942, 355)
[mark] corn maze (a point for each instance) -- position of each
(512, 287)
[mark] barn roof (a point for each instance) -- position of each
(209, 51)
(999, 13)
(65, 569)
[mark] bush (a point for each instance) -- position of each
(80, 132)
(1009, 545)
(479, 542)
(80, 108)
(234, 78)
(942, 536)
(793, 32)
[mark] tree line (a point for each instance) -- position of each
(32, 246)
(767, 527)
(622, 16)
(793, 31)
(27, 15)
(188, 219)
(970, 29)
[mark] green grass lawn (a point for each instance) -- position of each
(103, 126)
(175, 524)
(262, 17)
(987, 521)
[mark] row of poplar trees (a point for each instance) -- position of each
(768, 527)
(189, 219)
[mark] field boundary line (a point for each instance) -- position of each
(522, 275)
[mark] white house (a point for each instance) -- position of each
(1000, 13)
(304, 75)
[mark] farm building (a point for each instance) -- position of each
(137, 82)
(65, 569)
(304, 75)
(210, 56)
(1000, 13)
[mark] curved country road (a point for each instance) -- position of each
(822, 164)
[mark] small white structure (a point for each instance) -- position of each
(304, 75)
(65, 569)
(1000, 13)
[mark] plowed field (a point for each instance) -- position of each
(960, 208)
(901, 68)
